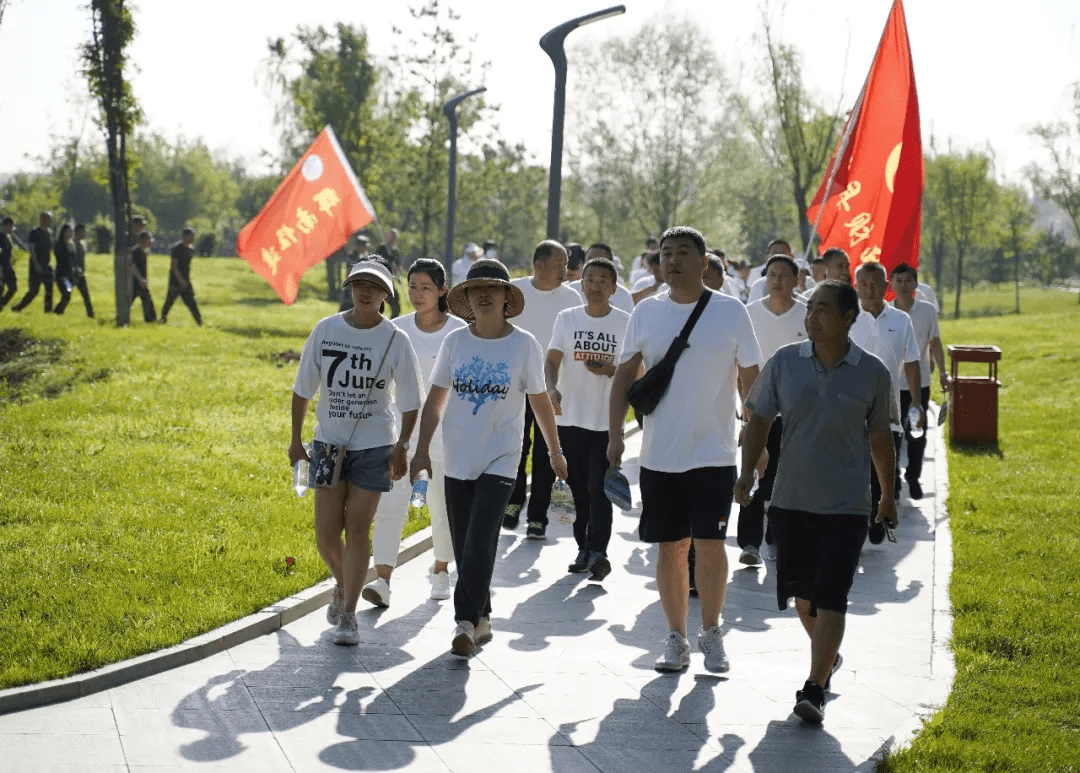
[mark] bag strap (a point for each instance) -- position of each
(360, 408)
(695, 315)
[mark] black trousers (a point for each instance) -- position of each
(916, 447)
(586, 463)
(37, 279)
(875, 485)
(474, 510)
(9, 283)
(751, 528)
(143, 294)
(187, 296)
(543, 477)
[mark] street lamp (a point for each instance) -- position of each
(450, 108)
(552, 43)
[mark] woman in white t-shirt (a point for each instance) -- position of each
(481, 377)
(426, 328)
(351, 359)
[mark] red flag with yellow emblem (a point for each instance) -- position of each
(314, 211)
(873, 201)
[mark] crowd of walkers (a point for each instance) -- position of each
(807, 371)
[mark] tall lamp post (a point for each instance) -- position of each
(552, 43)
(450, 108)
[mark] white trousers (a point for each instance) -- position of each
(394, 510)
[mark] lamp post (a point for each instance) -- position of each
(552, 43)
(450, 108)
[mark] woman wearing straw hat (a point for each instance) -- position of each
(481, 377)
(352, 358)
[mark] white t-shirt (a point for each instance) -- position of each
(460, 270)
(646, 280)
(891, 338)
(484, 420)
(758, 289)
(426, 346)
(580, 337)
(622, 299)
(925, 292)
(541, 308)
(637, 271)
(342, 360)
(773, 330)
(694, 425)
(925, 322)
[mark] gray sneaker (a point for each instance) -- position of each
(768, 551)
(676, 655)
(711, 642)
(482, 633)
(333, 612)
(750, 556)
(463, 645)
(347, 631)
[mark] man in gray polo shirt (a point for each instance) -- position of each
(837, 404)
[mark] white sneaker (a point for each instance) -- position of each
(333, 611)
(482, 634)
(676, 655)
(768, 552)
(750, 556)
(463, 644)
(711, 642)
(377, 592)
(347, 631)
(440, 585)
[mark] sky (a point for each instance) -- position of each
(985, 75)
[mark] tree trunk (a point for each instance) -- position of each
(959, 280)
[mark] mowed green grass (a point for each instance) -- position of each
(1015, 518)
(146, 490)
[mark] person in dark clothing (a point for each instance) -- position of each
(7, 270)
(140, 288)
(78, 268)
(65, 255)
(180, 277)
(393, 257)
(41, 273)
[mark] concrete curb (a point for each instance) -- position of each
(942, 663)
(203, 646)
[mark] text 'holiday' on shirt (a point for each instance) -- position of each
(583, 338)
(488, 380)
(694, 425)
(340, 362)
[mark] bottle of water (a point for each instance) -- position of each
(913, 416)
(419, 490)
(562, 503)
(754, 485)
(300, 475)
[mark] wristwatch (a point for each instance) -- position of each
(404, 445)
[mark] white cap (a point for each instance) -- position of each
(371, 271)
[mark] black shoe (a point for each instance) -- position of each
(915, 489)
(837, 662)
(510, 518)
(876, 533)
(580, 563)
(693, 589)
(896, 488)
(810, 703)
(599, 566)
(535, 530)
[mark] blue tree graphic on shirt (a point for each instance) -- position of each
(479, 381)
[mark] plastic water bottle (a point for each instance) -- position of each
(562, 503)
(419, 490)
(300, 476)
(913, 416)
(754, 485)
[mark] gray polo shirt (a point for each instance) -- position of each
(828, 415)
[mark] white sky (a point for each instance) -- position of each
(986, 72)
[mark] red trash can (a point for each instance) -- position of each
(973, 416)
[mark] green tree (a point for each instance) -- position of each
(1015, 230)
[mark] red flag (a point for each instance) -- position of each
(873, 208)
(314, 211)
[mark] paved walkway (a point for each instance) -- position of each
(567, 684)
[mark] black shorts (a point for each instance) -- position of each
(816, 556)
(677, 505)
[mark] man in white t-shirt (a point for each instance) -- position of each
(622, 299)
(924, 292)
(651, 283)
(688, 451)
(886, 333)
(758, 289)
(928, 336)
(545, 296)
(461, 266)
(779, 319)
(640, 266)
(585, 346)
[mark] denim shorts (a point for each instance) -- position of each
(368, 468)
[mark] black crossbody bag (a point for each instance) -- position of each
(647, 392)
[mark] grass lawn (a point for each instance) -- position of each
(145, 494)
(1015, 517)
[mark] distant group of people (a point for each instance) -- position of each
(69, 271)
(792, 361)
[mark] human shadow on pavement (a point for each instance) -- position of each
(299, 685)
(799, 746)
(561, 609)
(514, 561)
(432, 697)
(647, 634)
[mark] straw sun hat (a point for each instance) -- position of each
(485, 272)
